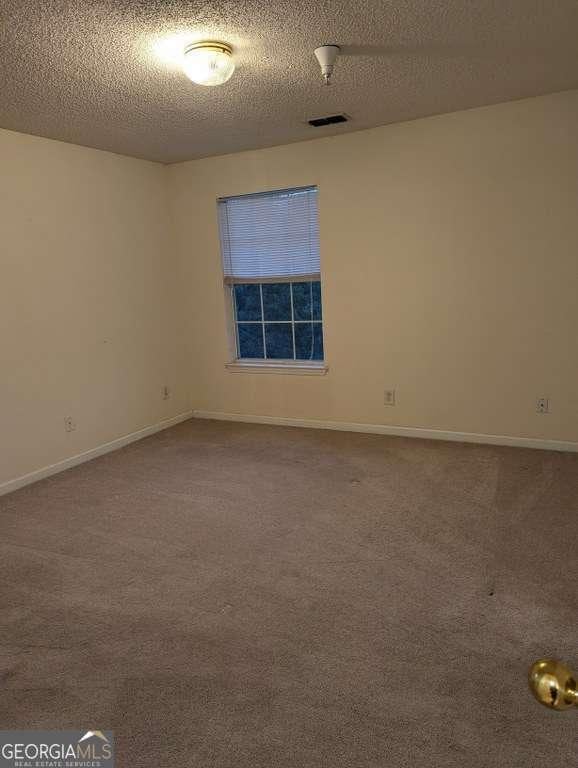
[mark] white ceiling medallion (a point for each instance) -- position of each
(208, 63)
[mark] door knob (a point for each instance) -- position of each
(553, 684)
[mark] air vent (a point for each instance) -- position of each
(318, 122)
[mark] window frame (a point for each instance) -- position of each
(270, 365)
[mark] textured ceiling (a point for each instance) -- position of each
(104, 73)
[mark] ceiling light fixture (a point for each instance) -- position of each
(208, 63)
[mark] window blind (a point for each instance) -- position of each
(270, 235)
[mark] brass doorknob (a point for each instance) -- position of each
(553, 684)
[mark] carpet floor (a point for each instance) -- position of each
(241, 596)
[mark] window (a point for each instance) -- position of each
(270, 248)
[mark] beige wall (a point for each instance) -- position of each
(90, 302)
(450, 272)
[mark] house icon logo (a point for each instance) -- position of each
(96, 734)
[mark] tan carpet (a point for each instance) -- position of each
(247, 596)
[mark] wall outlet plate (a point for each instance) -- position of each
(389, 397)
(166, 392)
(543, 405)
(69, 424)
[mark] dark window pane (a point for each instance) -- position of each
(277, 301)
(248, 301)
(279, 340)
(302, 301)
(308, 341)
(307, 300)
(316, 291)
(250, 339)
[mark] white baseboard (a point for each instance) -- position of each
(386, 429)
(93, 453)
(344, 426)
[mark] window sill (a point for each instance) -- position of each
(293, 367)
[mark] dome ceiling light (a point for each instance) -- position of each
(208, 63)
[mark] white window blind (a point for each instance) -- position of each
(270, 235)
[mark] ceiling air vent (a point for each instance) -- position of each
(318, 122)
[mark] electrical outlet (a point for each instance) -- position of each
(389, 397)
(69, 424)
(543, 405)
(166, 392)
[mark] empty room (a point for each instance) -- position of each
(288, 384)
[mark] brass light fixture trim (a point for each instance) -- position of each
(553, 684)
(213, 45)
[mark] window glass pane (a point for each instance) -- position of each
(302, 301)
(308, 341)
(248, 301)
(316, 291)
(279, 340)
(307, 301)
(250, 339)
(277, 301)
